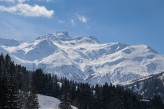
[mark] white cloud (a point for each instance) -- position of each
(45, 1)
(28, 10)
(13, 1)
(22, 1)
(82, 18)
(73, 23)
(61, 21)
(49, 1)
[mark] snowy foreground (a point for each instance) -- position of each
(47, 102)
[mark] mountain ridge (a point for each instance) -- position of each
(85, 59)
(148, 86)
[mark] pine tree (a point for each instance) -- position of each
(156, 103)
(12, 89)
(38, 81)
(32, 102)
(65, 101)
(3, 78)
(3, 89)
(22, 100)
(98, 97)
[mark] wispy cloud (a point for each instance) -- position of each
(28, 10)
(49, 1)
(21, 1)
(82, 18)
(73, 23)
(13, 1)
(61, 21)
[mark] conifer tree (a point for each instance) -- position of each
(11, 84)
(65, 101)
(32, 102)
(156, 103)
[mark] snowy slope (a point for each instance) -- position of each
(148, 86)
(9, 42)
(47, 102)
(86, 59)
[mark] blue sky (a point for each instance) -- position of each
(126, 21)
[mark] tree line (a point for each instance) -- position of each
(86, 96)
(15, 89)
(18, 89)
(150, 86)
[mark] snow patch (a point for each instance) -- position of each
(47, 102)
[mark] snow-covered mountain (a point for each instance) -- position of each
(86, 59)
(148, 86)
(9, 42)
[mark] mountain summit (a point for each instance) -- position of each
(66, 38)
(85, 59)
(56, 36)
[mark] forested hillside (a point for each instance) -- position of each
(149, 86)
(85, 96)
(15, 90)
(18, 88)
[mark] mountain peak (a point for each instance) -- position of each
(83, 58)
(9, 42)
(86, 39)
(64, 36)
(59, 33)
(56, 36)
